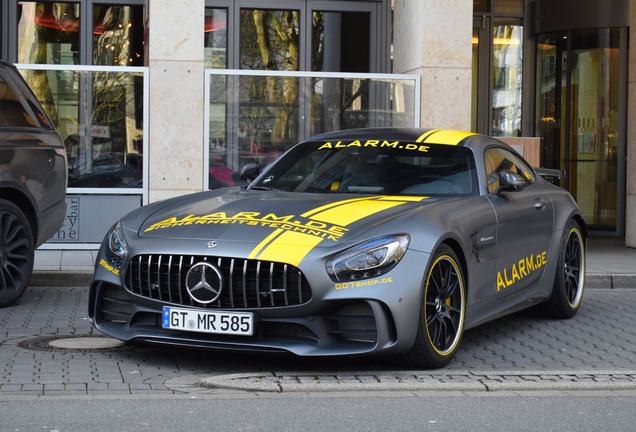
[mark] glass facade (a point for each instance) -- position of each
(340, 42)
(297, 35)
(254, 119)
(578, 106)
(48, 33)
(104, 137)
(98, 113)
(118, 35)
(507, 75)
(498, 64)
(269, 39)
(215, 41)
(269, 113)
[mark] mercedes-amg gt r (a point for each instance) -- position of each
(368, 241)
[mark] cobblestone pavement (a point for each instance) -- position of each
(594, 350)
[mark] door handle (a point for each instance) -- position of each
(539, 203)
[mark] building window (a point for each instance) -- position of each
(305, 35)
(118, 35)
(336, 45)
(498, 46)
(269, 39)
(48, 33)
(215, 41)
(507, 77)
(99, 114)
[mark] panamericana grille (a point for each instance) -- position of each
(246, 283)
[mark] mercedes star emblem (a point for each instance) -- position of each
(204, 282)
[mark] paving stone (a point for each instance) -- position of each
(599, 338)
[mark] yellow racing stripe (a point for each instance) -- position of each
(262, 244)
(402, 198)
(426, 135)
(348, 213)
(290, 247)
(443, 136)
(335, 204)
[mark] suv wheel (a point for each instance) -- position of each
(16, 252)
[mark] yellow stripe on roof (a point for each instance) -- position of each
(425, 135)
(290, 247)
(443, 136)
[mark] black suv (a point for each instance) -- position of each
(33, 177)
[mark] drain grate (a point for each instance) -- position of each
(77, 343)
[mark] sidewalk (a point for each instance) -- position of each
(609, 265)
(50, 349)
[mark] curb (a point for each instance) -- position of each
(611, 281)
(280, 382)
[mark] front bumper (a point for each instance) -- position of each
(365, 317)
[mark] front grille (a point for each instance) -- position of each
(246, 283)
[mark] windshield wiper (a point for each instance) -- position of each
(263, 188)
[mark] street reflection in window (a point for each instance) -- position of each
(215, 41)
(118, 35)
(507, 77)
(48, 33)
(269, 39)
(274, 112)
(104, 137)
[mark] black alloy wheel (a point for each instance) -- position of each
(574, 267)
(441, 320)
(569, 277)
(16, 253)
(444, 305)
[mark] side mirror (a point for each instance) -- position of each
(250, 171)
(510, 182)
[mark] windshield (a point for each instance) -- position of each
(373, 167)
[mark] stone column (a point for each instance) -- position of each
(175, 60)
(630, 204)
(433, 38)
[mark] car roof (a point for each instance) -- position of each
(416, 135)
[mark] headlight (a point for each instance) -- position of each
(369, 259)
(117, 245)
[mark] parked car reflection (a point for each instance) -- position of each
(106, 170)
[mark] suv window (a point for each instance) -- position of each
(12, 112)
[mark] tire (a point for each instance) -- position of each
(441, 321)
(16, 252)
(569, 278)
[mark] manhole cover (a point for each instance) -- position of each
(77, 343)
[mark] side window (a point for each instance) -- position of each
(497, 160)
(12, 113)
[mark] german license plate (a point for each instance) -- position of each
(219, 322)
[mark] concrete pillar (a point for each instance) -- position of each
(175, 60)
(433, 38)
(630, 205)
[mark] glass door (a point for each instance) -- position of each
(594, 75)
(579, 118)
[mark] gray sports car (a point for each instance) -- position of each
(367, 241)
